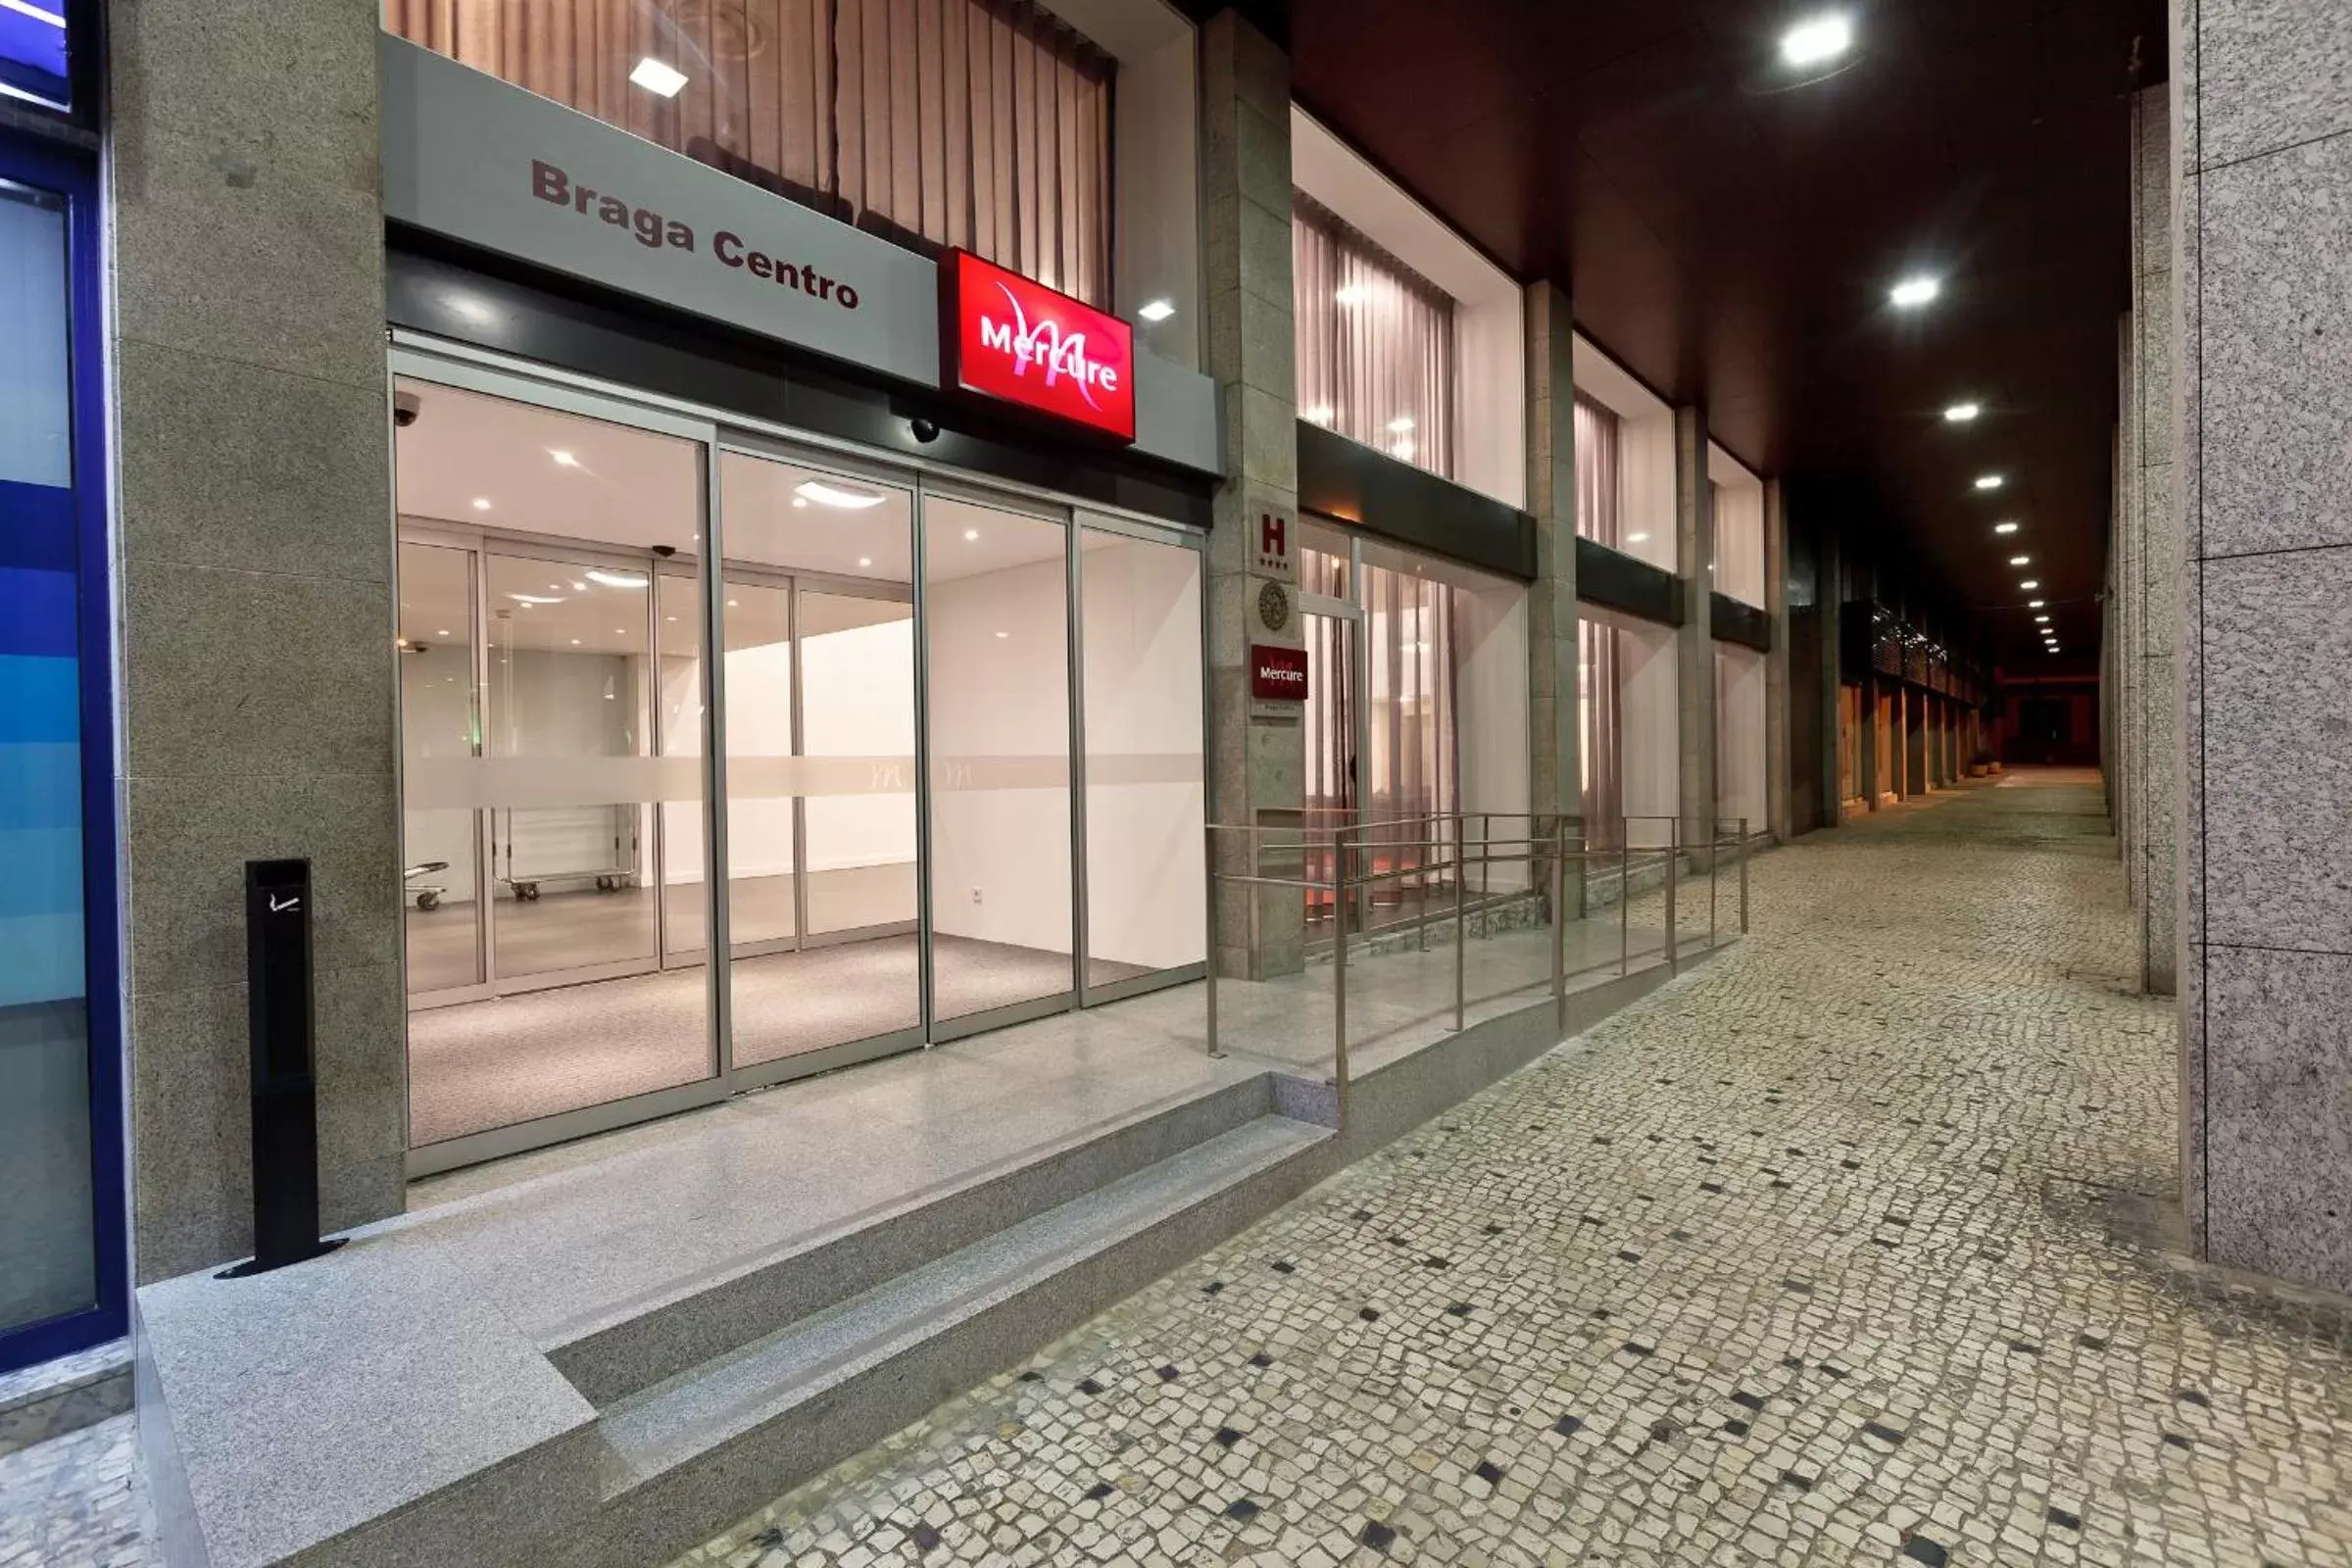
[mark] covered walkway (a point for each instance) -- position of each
(1851, 1246)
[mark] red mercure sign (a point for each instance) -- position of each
(1278, 674)
(1013, 340)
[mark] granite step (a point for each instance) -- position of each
(690, 1456)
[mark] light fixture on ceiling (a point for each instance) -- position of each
(564, 459)
(2021, 560)
(1962, 412)
(1990, 481)
(1352, 294)
(1320, 414)
(1156, 309)
(833, 495)
(575, 641)
(658, 77)
(482, 503)
(1400, 424)
(1001, 636)
(865, 560)
(800, 502)
(971, 535)
(2029, 585)
(2005, 528)
(1913, 292)
(2042, 621)
(1816, 39)
(616, 579)
(733, 605)
(2036, 604)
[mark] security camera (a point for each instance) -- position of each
(406, 406)
(925, 430)
(665, 550)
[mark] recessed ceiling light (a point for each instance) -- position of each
(1001, 636)
(2029, 585)
(1819, 38)
(2019, 561)
(482, 503)
(1400, 424)
(1320, 414)
(800, 500)
(865, 560)
(443, 632)
(1990, 481)
(1912, 292)
(2036, 604)
(1352, 294)
(2044, 619)
(658, 77)
(564, 459)
(833, 495)
(1962, 412)
(731, 605)
(575, 641)
(2005, 528)
(971, 534)
(1156, 309)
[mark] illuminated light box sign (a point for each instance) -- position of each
(1278, 674)
(1014, 341)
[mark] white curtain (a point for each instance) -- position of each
(1375, 342)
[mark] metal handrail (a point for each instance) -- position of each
(1348, 844)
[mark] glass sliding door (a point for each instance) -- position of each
(553, 782)
(819, 696)
(1146, 783)
(997, 659)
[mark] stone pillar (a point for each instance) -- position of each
(1258, 766)
(1554, 789)
(1777, 760)
(254, 525)
(2152, 638)
(1694, 643)
(2262, 160)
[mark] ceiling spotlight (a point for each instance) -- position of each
(1819, 38)
(1156, 309)
(1913, 292)
(1001, 636)
(2041, 619)
(799, 502)
(833, 495)
(1990, 481)
(1962, 412)
(564, 459)
(865, 560)
(658, 78)
(2036, 604)
(2005, 528)
(2029, 585)
(482, 503)
(971, 534)
(2019, 561)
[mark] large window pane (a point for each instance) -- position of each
(1144, 781)
(440, 723)
(979, 124)
(47, 1219)
(585, 790)
(1375, 342)
(996, 642)
(819, 695)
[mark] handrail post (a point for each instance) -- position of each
(1209, 864)
(1338, 978)
(1559, 925)
(1743, 876)
(1714, 861)
(1625, 899)
(1674, 856)
(1461, 913)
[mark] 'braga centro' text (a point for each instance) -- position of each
(656, 232)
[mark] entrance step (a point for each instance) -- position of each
(692, 1454)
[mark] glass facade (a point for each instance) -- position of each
(36, 53)
(59, 1169)
(943, 772)
(1375, 342)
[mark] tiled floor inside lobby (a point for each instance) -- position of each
(1826, 1253)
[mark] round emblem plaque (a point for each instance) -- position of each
(1274, 606)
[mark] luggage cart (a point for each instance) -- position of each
(427, 895)
(616, 873)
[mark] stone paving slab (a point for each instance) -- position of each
(1823, 1254)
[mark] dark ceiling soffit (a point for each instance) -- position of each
(1355, 484)
(1631, 587)
(1731, 621)
(639, 344)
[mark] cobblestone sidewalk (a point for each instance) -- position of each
(1832, 1251)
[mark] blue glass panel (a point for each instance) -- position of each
(32, 51)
